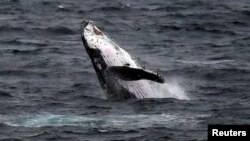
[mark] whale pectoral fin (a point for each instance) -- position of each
(131, 74)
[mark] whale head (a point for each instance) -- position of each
(101, 49)
(90, 31)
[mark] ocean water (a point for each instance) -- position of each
(49, 90)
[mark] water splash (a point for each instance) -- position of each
(171, 89)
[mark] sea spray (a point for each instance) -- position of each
(172, 88)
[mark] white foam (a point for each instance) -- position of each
(170, 89)
(124, 122)
(205, 62)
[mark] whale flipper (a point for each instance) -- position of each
(132, 74)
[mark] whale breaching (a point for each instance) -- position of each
(120, 76)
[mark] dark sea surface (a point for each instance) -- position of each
(49, 89)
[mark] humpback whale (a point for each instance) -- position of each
(119, 74)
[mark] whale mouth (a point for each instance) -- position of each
(97, 31)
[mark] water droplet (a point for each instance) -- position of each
(60, 6)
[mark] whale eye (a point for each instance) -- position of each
(97, 31)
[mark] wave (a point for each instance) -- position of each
(24, 42)
(215, 61)
(212, 30)
(19, 73)
(205, 27)
(51, 30)
(58, 30)
(108, 8)
(245, 12)
(26, 52)
(5, 94)
(7, 28)
(122, 122)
